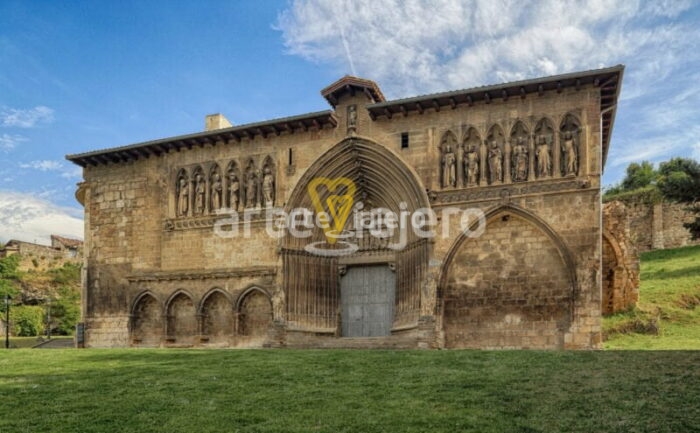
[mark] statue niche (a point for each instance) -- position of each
(448, 160)
(251, 186)
(182, 193)
(570, 136)
(268, 183)
(200, 191)
(520, 154)
(216, 192)
(495, 144)
(544, 135)
(233, 186)
(471, 158)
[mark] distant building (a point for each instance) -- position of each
(36, 256)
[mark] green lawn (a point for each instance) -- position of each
(348, 391)
(669, 301)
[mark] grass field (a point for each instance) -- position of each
(669, 302)
(348, 391)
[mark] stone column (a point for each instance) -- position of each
(556, 154)
(531, 157)
(506, 163)
(483, 163)
(657, 227)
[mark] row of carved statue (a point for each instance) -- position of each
(525, 156)
(199, 193)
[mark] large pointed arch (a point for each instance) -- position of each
(512, 286)
(382, 180)
(496, 211)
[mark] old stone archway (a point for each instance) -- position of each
(620, 262)
(254, 314)
(181, 320)
(315, 284)
(146, 321)
(512, 287)
(217, 318)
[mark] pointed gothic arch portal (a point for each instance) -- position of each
(313, 282)
(512, 287)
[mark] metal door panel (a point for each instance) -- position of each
(367, 301)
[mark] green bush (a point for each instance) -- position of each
(68, 274)
(65, 311)
(27, 320)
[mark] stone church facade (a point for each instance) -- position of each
(495, 241)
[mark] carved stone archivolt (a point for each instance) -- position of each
(199, 192)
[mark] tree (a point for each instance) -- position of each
(639, 176)
(9, 275)
(679, 180)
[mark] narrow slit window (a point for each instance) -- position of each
(290, 156)
(404, 140)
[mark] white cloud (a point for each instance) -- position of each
(421, 46)
(9, 142)
(43, 165)
(68, 172)
(28, 218)
(25, 118)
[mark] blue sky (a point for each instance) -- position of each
(79, 76)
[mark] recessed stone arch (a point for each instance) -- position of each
(181, 319)
(570, 138)
(217, 317)
(146, 320)
(520, 152)
(254, 308)
(513, 286)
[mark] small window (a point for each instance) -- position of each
(404, 140)
(290, 156)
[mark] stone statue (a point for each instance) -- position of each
(200, 192)
(520, 160)
(449, 170)
(268, 187)
(183, 199)
(495, 158)
(544, 160)
(570, 155)
(471, 165)
(217, 191)
(234, 190)
(251, 192)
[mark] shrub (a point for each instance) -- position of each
(27, 320)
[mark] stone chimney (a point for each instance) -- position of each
(216, 121)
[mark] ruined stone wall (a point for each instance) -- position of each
(620, 260)
(659, 225)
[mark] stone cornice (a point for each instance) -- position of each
(252, 271)
(506, 192)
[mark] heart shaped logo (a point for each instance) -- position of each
(339, 205)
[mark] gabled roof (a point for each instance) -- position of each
(352, 84)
